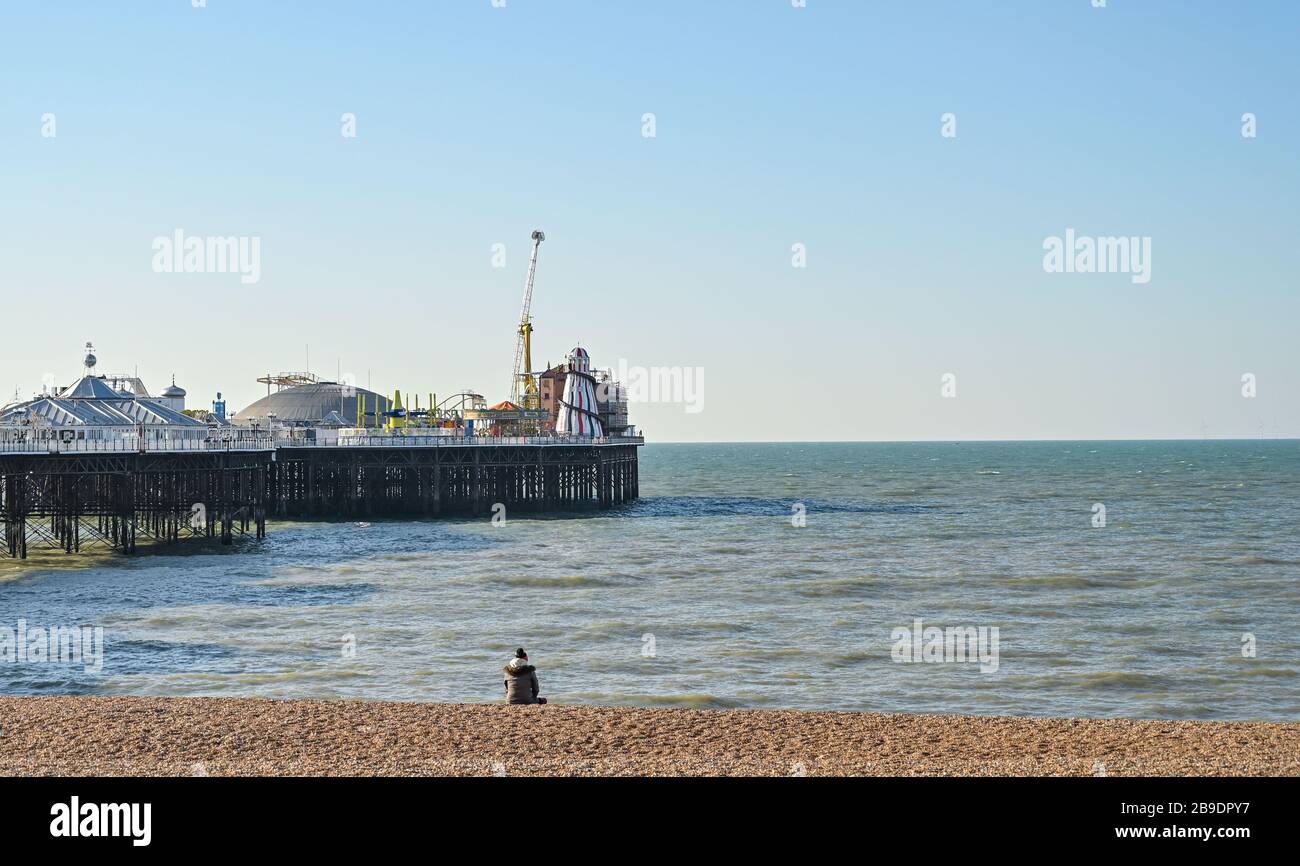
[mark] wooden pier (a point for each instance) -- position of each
(433, 481)
(75, 501)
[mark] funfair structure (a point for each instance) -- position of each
(578, 408)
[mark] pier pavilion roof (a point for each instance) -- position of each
(91, 401)
(90, 388)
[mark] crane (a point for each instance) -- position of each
(523, 378)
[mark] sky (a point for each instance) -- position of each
(833, 225)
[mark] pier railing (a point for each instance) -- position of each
(128, 444)
(453, 441)
(134, 445)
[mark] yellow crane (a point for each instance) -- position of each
(523, 384)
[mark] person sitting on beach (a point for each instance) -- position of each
(521, 681)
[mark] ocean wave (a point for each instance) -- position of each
(1119, 680)
(754, 506)
(301, 594)
(607, 629)
(1057, 581)
(838, 588)
(693, 701)
(1258, 560)
(851, 659)
(712, 627)
(559, 581)
(1218, 558)
(1259, 671)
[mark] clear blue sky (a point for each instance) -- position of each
(775, 126)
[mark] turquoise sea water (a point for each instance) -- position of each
(1144, 617)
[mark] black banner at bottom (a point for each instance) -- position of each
(208, 815)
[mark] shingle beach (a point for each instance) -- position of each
(109, 736)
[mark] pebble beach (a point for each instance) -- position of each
(148, 736)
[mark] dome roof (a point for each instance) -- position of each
(580, 360)
(172, 390)
(311, 404)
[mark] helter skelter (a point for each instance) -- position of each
(578, 411)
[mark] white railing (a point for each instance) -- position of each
(453, 441)
(133, 444)
(126, 444)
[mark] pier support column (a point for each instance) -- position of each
(16, 536)
(476, 485)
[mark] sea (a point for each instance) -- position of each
(1088, 579)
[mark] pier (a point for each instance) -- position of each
(77, 494)
(103, 463)
(437, 476)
